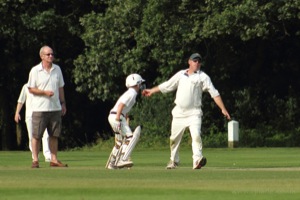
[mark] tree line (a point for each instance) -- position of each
(250, 50)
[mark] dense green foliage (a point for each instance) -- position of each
(26, 25)
(250, 50)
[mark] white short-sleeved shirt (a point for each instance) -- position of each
(26, 97)
(128, 99)
(43, 80)
(189, 90)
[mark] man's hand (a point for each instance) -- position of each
(63, 109)
(17, 117)
(144, 92)
(48, 93)
(226, 114)
(149, 92)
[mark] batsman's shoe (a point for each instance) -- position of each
(200, 163)
(172, 165)
(124, 163)
(111, 166)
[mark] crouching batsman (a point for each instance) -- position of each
(125, 140)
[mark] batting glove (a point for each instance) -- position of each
(117, 125)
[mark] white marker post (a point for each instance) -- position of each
(233, 134)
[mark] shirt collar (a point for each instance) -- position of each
(40, 67)
(195, 72)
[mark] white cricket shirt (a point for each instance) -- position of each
(189, 90)
(128, 99)
(26, 97)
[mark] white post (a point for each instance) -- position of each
(233, 134)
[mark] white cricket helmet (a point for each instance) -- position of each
(134, 79)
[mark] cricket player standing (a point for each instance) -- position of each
(125, 140)
(190, 84)
(26, 97)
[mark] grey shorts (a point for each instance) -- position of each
(46, 120)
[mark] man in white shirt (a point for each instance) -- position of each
(190, 84)
(26, 97)
(46, 83)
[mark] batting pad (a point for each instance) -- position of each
(132, 143)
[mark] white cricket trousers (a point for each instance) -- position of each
(45, 139)
(179, 125)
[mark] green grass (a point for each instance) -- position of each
(242, 173)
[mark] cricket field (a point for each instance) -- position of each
(230, 174)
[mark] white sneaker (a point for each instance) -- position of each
(172, 165)
(124, 163)
(111, 166)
